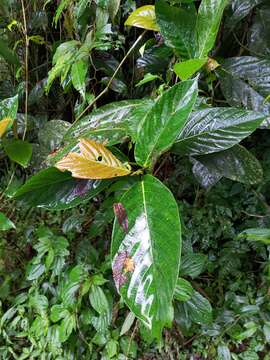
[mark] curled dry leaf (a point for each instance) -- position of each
(94, 161)
(4, 125)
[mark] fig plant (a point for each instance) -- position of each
(146, 236)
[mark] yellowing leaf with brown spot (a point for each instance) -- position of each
(4, 125)
(94, 161)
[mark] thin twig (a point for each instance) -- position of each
(131, 338)
(26, 61)
(112, 78)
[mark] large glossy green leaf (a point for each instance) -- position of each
(241, 8)
(177, 27)
(18, 151)
(208, 21)
(259, 33)
(145, 259)
(255, 71)
(216, 129)
(236, 163)
(245, 82)
(112, 122)
(53, 189)
(164, 121)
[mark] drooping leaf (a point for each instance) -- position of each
(205, 177)
(78, 76)
(53, 189)
(256, 234)
(145, 261)
(164, 121)
(177, 27)
(241, 8)
(5, 223)
(245, 83)
(236, 163)
(188, 68)
(143, 17)
(4, 125)
(19, 151)
(207, 26)
(216, 129)
(155, 60)
(9, 55)
(94, 161)
(255, 71)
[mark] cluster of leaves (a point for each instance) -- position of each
(157, 116)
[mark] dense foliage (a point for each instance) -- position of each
(134, 179)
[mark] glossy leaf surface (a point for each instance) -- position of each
(53, 189)
(94, 161)
(18, 151)
(245, 83)
(177, 27)
(111, 122)
(216, 129)
(143, 17)
(236, 163)
(207, 26)
(145, 261)
(164, 121)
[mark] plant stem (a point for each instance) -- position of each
(103, 92)
(26, 61)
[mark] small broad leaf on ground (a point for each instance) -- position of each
(94, 161)
(5, 223)
(143, 17)
(18, 151)
(145, 261)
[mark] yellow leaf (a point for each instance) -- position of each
(4, 125)
(94, 161)
(143, 17)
